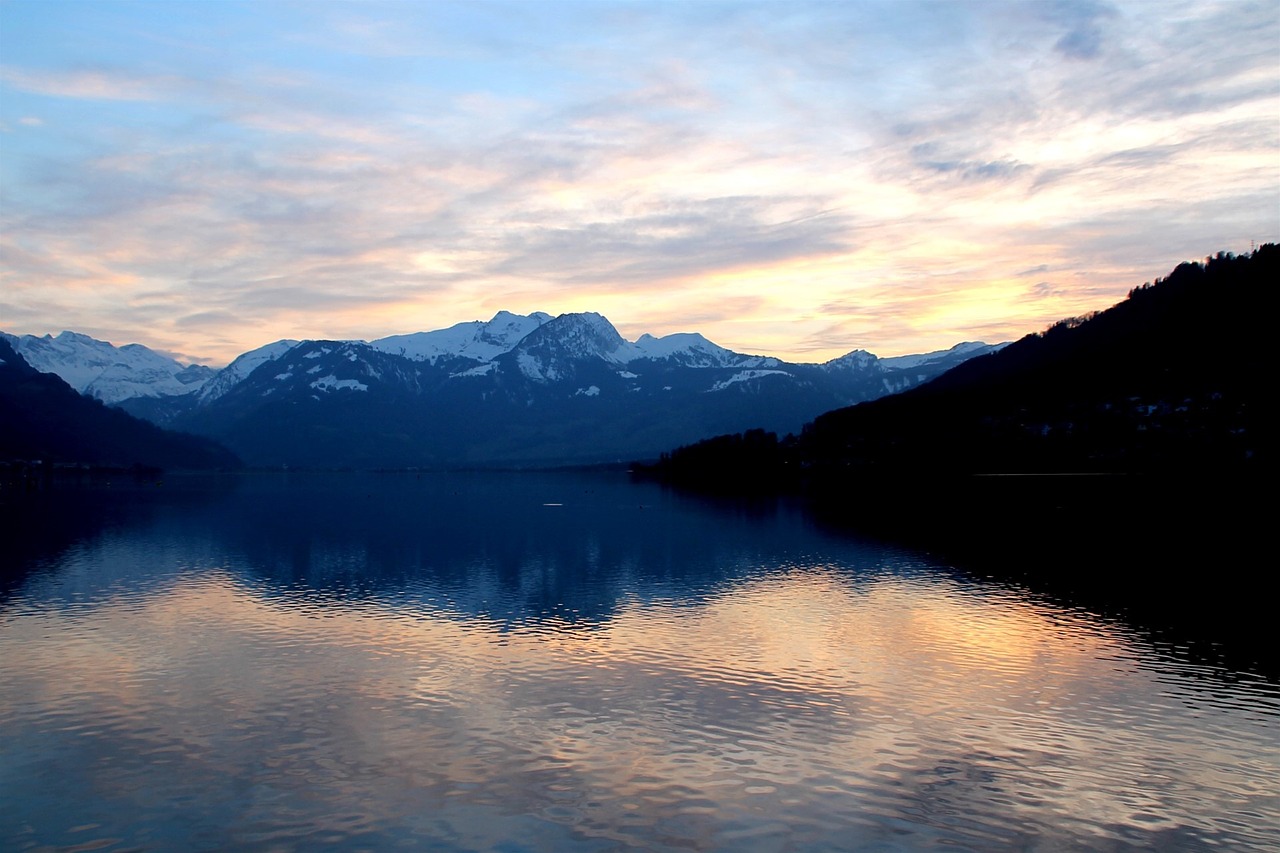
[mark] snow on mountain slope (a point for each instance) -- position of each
(331, 382)
(235, 372)
(111, 374)
(479, 340)
(595, 337)
(858, 360)
(691, 349)
(569, 389)
(582, 348)
(959, 352)
(745, 376)
(558, 347)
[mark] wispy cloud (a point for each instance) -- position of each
(795, 178)
(86, 83)
(1084, 21)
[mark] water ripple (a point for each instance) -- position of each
(159, 696)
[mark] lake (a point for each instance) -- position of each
(576, 662)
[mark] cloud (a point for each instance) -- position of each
(832, 336)
(87, 83)
(208, 318)
(698, 312)
(389, 165)
(1083, 19)
(1200, 58)
(678, 239)
(974, 170)
(181, 357)
(1046, 290)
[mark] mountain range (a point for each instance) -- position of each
(514, 390)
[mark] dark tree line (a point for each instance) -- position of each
(1172, 378)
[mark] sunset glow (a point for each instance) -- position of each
(789, 179)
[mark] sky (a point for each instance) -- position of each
(791, 179)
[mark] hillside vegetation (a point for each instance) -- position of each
(1171, 379)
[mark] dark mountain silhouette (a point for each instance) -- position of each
(1170, 379)
(1115, 461)
(43, 418)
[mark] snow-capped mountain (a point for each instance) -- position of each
(691, 349)
(111, 374)
(907, 371)
(235, 372)
(512, 390)
(951, 357)
(570, 389)
(479, 340)
(44, 420)
(560, 348)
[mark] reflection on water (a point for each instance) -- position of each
(553, 662)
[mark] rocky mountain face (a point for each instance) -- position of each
(515, 390)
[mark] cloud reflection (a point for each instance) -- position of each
(833, 707)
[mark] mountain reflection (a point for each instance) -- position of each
(517, 550)
(364, 661)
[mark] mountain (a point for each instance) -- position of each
(513, 390)
(479, 340)
(533, 390)
(107, 373)
(1174, 379)
(943, 358)
(44, 418)
(690, 349)
(239, 369)
(566, 346)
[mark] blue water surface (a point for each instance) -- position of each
(576, 662)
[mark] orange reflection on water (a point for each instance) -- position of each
(811, 693)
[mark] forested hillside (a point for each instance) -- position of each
(44, 419)
(1173, 378)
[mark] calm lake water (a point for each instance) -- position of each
(568, 662)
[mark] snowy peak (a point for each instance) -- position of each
(111, 374)
(555, 349)
(587, 335)
(958, 353)
(478, 340)
(858, 360)
(690, 349)
(654, 347)
(509, 355)
(506, 329)
(77, 359)
(140, 376)
(935, 362)
(237, 371)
